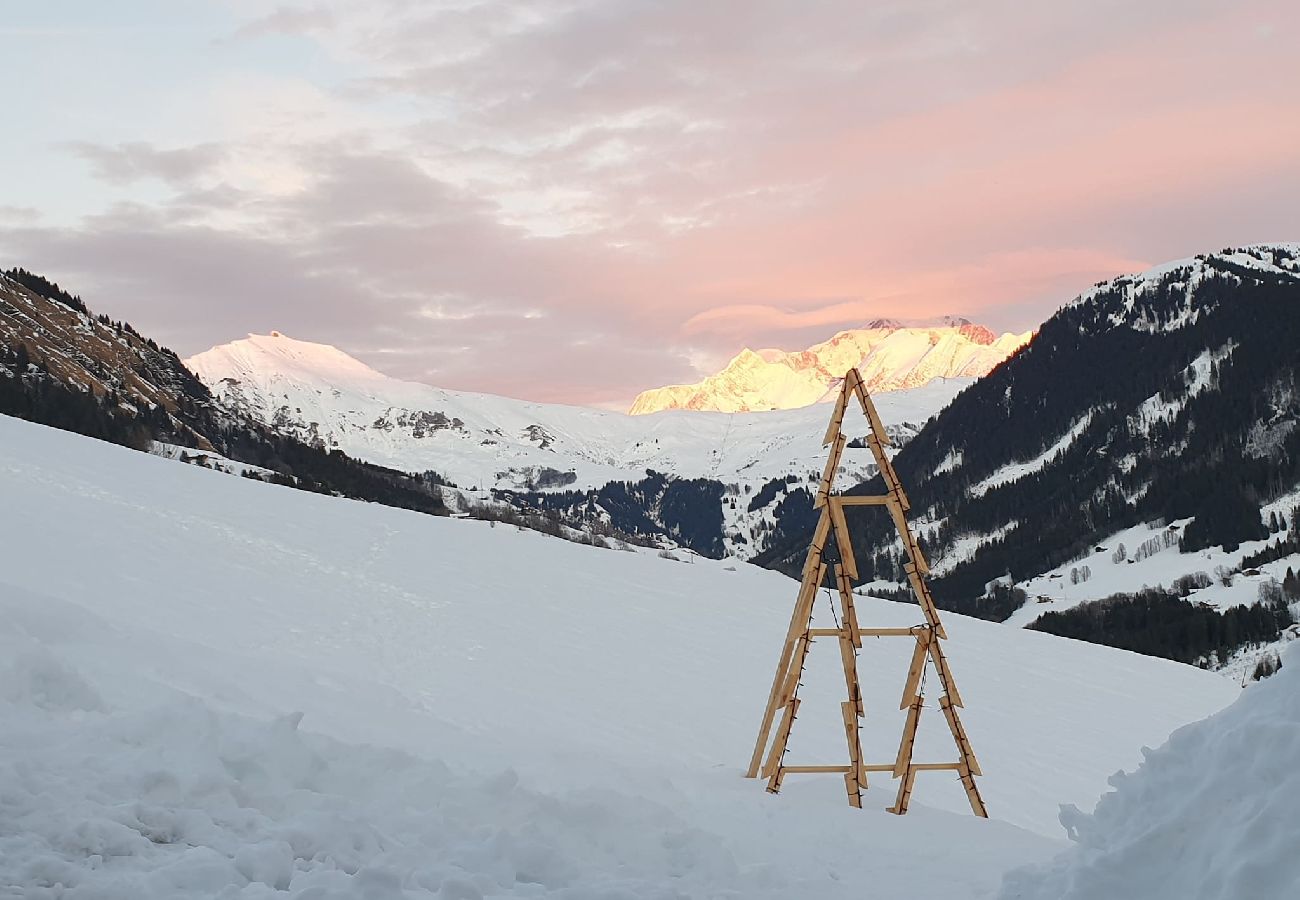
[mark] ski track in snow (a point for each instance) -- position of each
(484, 711)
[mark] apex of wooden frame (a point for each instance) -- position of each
(928, 637)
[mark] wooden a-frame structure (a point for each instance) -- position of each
(840, 564)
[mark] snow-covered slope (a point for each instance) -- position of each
(319, 393)
(486, 712)
(1211, 815)
(889, 355)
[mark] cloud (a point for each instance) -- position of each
(136, 160)
(570, 199)
(287, 20)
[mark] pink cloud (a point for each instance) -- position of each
(708, 177)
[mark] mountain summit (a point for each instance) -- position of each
(889, 354)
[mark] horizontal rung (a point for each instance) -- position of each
(862, 501)
(811, 770)
(870, 767)
(871, 632)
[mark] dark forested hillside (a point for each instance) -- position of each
(686, 510)
(61, 366)
(1169, 395)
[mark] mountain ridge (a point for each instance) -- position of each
(1161, 408)
(889, 354)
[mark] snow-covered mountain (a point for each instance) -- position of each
(211, 686)
(889, 354)
(321, 394)
(62, 365)
(1148, 436)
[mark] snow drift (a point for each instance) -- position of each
(1211, 815)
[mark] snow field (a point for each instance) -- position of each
(482, 709)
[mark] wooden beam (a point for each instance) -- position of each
(904, 759)
(848, 610)
(818, 545)
(945, 674)
(817, 770)
(973, 793)
(782, 736)
(828, 474)
(904, 797)
(910, 688)
(837, 417)
(870, 632)
(842, 540)
(926, 600)
(959, 735)
(796, 635)
(862, 500)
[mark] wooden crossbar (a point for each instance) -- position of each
(873, 767)
(869, 632)
(783, 698)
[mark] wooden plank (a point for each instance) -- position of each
(842, 540)
(863, 500)
(869, 409)
(892, 484)
(782, 737)
(853, 789)
(795, 646)
(959, 736)
(925, 599)
(877, 767)
(914, 554)
(914, 670)
(849, 713)
(837, 417)
(773, 703)
(973, 793)
(940, 658)
(848, 610)
(905, 745)
(869, 632)
(774, 782)
(849, 660)
(820, 534)
(818, 770)
(937, 767)
(828, 473)
(904, 797)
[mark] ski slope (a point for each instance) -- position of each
(211, 686)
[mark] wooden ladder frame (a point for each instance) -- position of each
(784, 694)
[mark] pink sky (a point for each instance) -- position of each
(572, 201)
